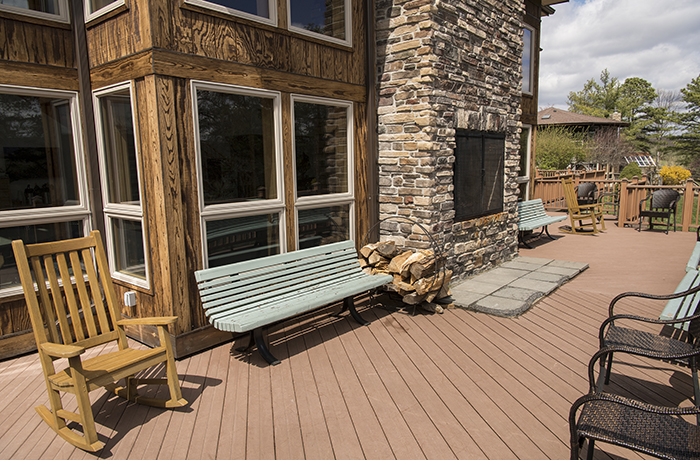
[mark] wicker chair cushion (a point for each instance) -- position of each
(646, 341)
(653, 433)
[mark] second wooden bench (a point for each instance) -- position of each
(249, 296)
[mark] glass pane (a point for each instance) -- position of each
(37, 157)
(30, 234)
(325, 17)
(129, 255)
(256, 7)
(97, 4)
(323, 226)
(527, 60)
(119, 149)
(493, 175)
(45, 6)
(237, 142)
(242, 238)
(321, 145)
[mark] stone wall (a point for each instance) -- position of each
(444, 65)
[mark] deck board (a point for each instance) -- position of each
(408, 386)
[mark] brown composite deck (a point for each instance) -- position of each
(457, 385)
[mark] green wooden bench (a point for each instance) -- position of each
(249, 296)
(532, 216)
(683, 307)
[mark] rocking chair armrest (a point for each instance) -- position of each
(154, 321)
(58, 350)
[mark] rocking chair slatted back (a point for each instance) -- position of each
(85, 315)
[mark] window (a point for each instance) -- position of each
(56, 10)
(119, 174)
(329, 19)
(259, 10)
(524, 174)
(240, 172)
(323, 169)
(96, 8)
(478, 174)
(42, 176)
(528, 56)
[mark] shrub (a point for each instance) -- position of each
(557, 147)
(674, 175)
(631, 170)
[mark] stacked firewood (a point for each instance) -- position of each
(419, 277)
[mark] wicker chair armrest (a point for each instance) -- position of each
(611, 319)
(643, 200)
(643, 295)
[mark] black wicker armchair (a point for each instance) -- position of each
(663, 206)
(651, 345)
(587, 193)
(625, 422)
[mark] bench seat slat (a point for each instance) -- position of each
(311, 299)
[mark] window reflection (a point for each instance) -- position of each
(325, 225)
(325, 17)
(237, 142)
(321, 145)
(37, 160)
(242, 238)
(45, 6)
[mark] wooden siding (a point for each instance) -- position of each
(206, 34)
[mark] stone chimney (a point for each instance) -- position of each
(616, 116)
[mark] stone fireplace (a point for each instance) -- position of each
(449, 95)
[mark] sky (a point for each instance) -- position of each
(656, 40)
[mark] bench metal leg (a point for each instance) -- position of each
(262, 348)
(251, 342)
(349, 305)
(546, 229)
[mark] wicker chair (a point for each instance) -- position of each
(652, 345)
(663, 206)
(625, 422)
(587, 193)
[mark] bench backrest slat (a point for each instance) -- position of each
(249, 284)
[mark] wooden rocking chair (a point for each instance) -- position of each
(585, 218)
(73, 307)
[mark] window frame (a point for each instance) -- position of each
(332, 199)
(348, 26)
(210, 5)
(223, 211)
(531, 70)
(120, 211)
(79, 212)
(62, 16)
(92, 15)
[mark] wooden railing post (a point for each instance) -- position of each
(622, 208)
(688, 198)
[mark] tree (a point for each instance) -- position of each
(557, 148)
(688, 122)
(598, 100)
(608, 147)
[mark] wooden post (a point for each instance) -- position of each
(688, 198)
(622, 208)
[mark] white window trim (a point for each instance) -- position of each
(532, 59)
(90, 15)
(348, 26)
(248, 208)
(331, 199)
(56, 213)
(119, 210)
(272, 8)
(62, 15)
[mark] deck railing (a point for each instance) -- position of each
(622, 197)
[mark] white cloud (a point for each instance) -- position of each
(653, 40)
